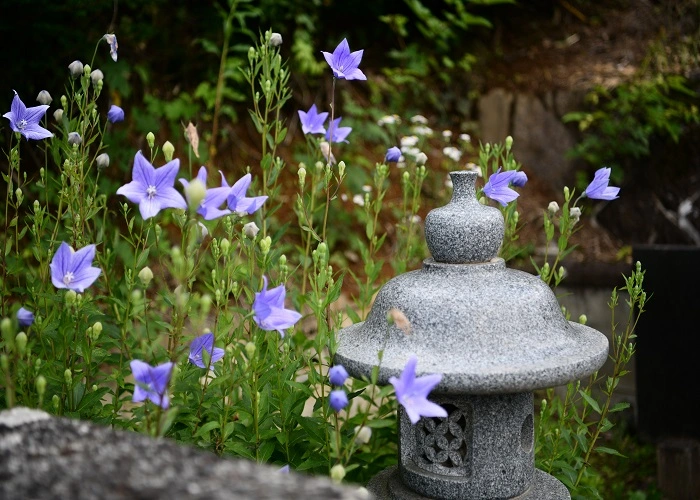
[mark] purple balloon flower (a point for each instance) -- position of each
(152, 188)
(519, 179)
(115, 114)
(598, 189)
(337, 375)
(412, 392)
(339, 133)
(497, 187)
(237, 200)
(111, 39)
(393, 154)
(312, 121)
(205, 342)
(151, 382)
(26, 120)
(269, 311)
(338, 399)
(73, 270)
(25, 317)
(345, 63)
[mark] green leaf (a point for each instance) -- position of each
(592, 402)
(206, 428)
(609, 451)
(620, 406)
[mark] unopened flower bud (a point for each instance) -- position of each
(96, 76)
(4, 362)
(40, 383)
(64, 101)
(150, 139)
(71, 297)
(56, 402)
(205, 302)
(275, 40)
(225, 246)
(421, 158)
(250, 230)
(250, 350)
(76, 69)
(74, 139)
(168, 150)
(58, 115)
(44, 98)
(509, 143)
(87, 70)
(102, 161)
(583, 319)
(265, 245)
(553, 207)
(21, 343)
(566, 192)
(575, 214)
(337, 473)
(37, 206)
(68, 376)
(341, 168)
(251, 54)
(195, 191)
(19, 195)
(302, 176)
(145, 275)
(363, 434)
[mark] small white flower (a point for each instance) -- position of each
(419, 119)
(421, 158)
(363, 434)
(448, 182)
(344, 197)
(452, 152)
(358, 200)
(408, 141)
(473, 167)
(367, 189)
(553, 207)
(389, 120)
(251, 230)
(447, 134)
(421, 130)
(275, 39)
(465, 137)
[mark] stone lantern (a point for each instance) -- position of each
(495, 334)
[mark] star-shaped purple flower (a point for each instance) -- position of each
(115, 114)
(237, 200)
(345, 63)
(152, 188)
(26, 120)
(312, 121)
(269, 311)
(151, 382)
(111, 39)
(339, 133)
(73, 270)
(205, 342)
(598, 189)
(412, 392)
(393, 154)
(497, 187)
(25, 317)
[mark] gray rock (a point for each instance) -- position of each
(43, 458)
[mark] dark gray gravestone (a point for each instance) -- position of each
(42, 457)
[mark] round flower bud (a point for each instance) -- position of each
(341, 168)
(87, 70)
(509, 143)
(250, 230)
(575, 214)
(40, 383)
(76, 69)
(68, 376)
(362, 434)
(21, 343)
(44, 98)
(4, 362)
(56, 402)
(583, 319)
(102, 161)
(337, 473)
(71, 297)
(250, 350)
(97, 328)
(58, 115)
(74, 139)
(96, 76)
(6, 327)
(275, 40)
(145, 275)
(553, 207)
(150, 139)
(337, 375)
(302, 176)
(225, 246)
(421, 158)
(265, 245)
(168, 150)
(338, 399)
(195, 191)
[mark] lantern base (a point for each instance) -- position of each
(387, 485)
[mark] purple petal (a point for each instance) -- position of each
(279, 319)
(143, 172)
(60, 264)
(149, 207)
(160, 376)
(275, 297)
(408, 375)
(134, 191)
(216, 197)
(165, 175)
(141, 371)
(217, 354)
(17, 108)
(84, 278)
(35, 132)
(201, 342)
(249, 205)
(169, 197)
(82, 258)
(34, 114)
(423, 385)
(239, 189)
(342, 50)
(429, 409)
(211, 213)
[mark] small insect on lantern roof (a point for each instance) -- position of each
(495, 334)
